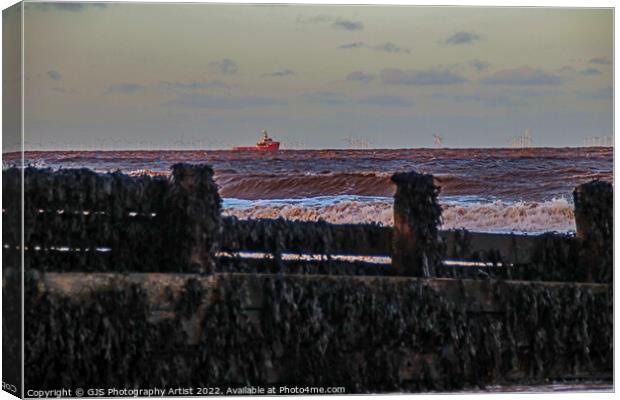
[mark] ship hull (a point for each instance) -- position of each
(275, 146)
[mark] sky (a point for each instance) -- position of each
(157, 76)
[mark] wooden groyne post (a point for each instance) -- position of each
(594, 217)
(416, 248)
(193, 207)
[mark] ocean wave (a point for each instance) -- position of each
(304, 176)
(497, 216)
(254, 186)
(313, 184)
(274, 186)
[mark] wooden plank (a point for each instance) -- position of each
(477, 295)
(302, 237)
(162, 289)
(483, 301)
(307, 264)
(265, 235)
(479, 246)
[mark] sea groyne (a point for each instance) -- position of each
(139, 282)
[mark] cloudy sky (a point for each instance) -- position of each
(190, 75)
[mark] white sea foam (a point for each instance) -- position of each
(469, 213)
(334, 209)
(498, 216)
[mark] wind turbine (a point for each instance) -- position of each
(527, 138)
(438, 141)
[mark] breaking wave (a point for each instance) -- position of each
(496, 216)
(294, 186)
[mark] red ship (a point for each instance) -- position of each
(265, 144)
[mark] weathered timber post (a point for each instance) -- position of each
(193, 208)
(594, 213)
(416, 248)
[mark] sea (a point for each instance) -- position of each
(487, 190)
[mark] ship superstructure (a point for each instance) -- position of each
(264, 144)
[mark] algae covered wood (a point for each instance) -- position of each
(192, 208)
(416, 249)
(80, 220)
(302, 237)
(491, 247)
(230, 329)
(265, 235)
(594, 217)
(368, 333)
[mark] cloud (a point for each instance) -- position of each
(566, 69)
(193, 85)
(522, 77)
(462, 38)
(354, 45)
(125, 88)
(390, 47)
(433, 76)
(387, 47)
(606, 93)
(326, 97)
(600, 61)
(590, 72)
(535, 93)
(336, 22)
(224, 67)
(198, 100)
(54, 75)
(386, 101)
(67, 6)
(490, 100)
(479, 65)
(284, 72)
(484, 99)
(571, 71)
(359, 76)
(348, 25)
